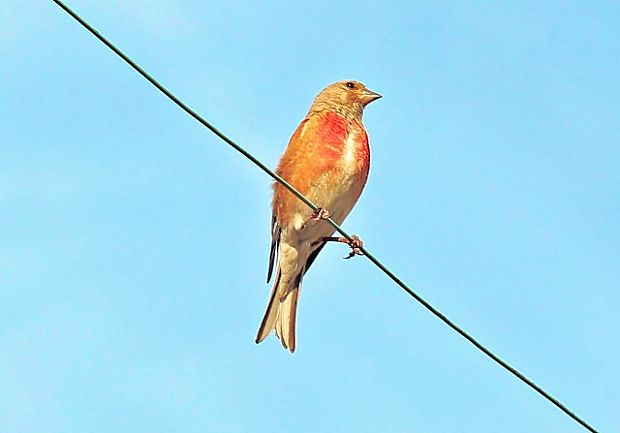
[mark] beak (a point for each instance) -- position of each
(368, 96)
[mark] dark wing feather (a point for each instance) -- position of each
(276, 231)
(312, 256)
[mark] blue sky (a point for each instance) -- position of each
(133, 243)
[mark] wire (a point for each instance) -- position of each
(314, 207)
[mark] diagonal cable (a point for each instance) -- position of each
(336, 227)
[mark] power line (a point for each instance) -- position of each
(314, 207)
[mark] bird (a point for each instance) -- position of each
(327, 160)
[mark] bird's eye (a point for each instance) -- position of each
(350, 85)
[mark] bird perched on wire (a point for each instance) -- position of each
(327, 160)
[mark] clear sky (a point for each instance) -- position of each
(133, 243)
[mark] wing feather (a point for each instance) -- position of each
(276, 232)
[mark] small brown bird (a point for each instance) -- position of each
(327, 160)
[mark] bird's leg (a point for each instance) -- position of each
(317, 215)
(355, 243)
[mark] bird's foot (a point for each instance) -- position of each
(355, 243)
(316, 216)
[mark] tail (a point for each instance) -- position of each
(281, 313)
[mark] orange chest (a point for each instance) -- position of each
(342, 144)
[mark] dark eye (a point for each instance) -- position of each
(350, 85)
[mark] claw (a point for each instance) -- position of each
(355, 243)
(320, 214)
(316, 216)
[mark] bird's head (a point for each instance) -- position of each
(347, 98)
